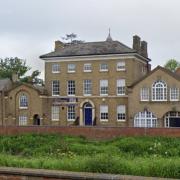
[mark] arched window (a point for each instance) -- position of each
(159, 91)
(145, 119)
(23, 101)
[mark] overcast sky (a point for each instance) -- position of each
(28, 28)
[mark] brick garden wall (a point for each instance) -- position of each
(92, 132)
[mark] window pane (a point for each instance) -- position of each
(104, 112)
(87, 68)
(71, 87)
(121, 66)
(55, 87)
(55, 113)
(87, 87)
(23, 101)
(103, 87)
(159, 91)
(121, 86)
(145, 119)
(22, 120)
(121, 112)
(71, 113)
(103, 67)
(144, 94)
(71, 67)
(55, 68)
(174, 94)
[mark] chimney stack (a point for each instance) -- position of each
(58, 45)
(15, 77)
(137, 43)
(144, 52)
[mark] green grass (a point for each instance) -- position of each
(143, 156)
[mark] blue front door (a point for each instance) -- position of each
(88, 116)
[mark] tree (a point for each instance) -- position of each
(33, 78)
(10, 66)
(71, 39)
(172, 65)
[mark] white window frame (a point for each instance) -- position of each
(55, 113)
(71, 88)
(55, 68)
(145, 119)
(121, 66)
(104, 113)
(55, 88)
(71, 113)
(174, 94)
(103, 67)
(159, 86)
(121, 87)
(87, 87)
(23, 120)
(103, 84)
(70, 69)
(121, 113)
(23, 101)
(88, 67)
(144, 94)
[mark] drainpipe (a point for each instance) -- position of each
(2, 105)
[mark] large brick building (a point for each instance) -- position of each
(95, 83)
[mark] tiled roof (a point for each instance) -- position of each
(5, 84)
(91, 48)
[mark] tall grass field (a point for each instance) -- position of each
(142, 156)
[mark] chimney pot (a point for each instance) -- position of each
(15, 77)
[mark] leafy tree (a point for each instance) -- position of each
(172, 65)
(10, 66)
(71, 39)
(33, 78)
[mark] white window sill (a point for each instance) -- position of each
(104, 120)
(121, 69)
(87, 70)
(103, 70)
(121, 94)
(159, 100)
(54, 120)
(23, 107)
(103, 94)
(87, 94)
(55, 72)
(144, 100)
(123, 120)
(70, 120)
(71, 71)
(174, 100)
(71, 95)
(56, 95)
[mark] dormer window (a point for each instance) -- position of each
(23, 101)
